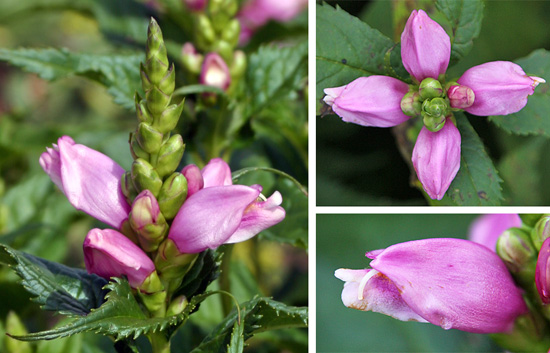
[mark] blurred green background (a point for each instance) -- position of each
(369, 169)
(342, 241)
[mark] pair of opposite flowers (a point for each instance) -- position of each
(215, 211)
(452, 283)
(493, 88)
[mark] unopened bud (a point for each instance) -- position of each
(515, 249)
(136, 150)
(191, 59)
(144, 116)
(410, 104)
(542, 278)
(177, 305)
(157, 100)
(171, 263)
(168, 82)
(530, 219)
(224, 49)
(127, 187)
(430, 88)
(433, 113)
(214, 72)
(169, 118)
(145, 177)
(147, 221)
(205, 32)
(541, 232)
(460, 97)
(152, 293)
(231, 31)
(170, 155)
(156, 63)
(148, 138)
(238, 66)
(172, 195)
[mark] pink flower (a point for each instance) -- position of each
(89, 179)
(486, 229)
(425, 47)
(436, 159)
(500, 87)
(452, 283)
(214, 72)
(369, 101)
(542, 271)
(108, 253)
(257, 13)
(219, 212)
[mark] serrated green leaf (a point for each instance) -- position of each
(273, 73)
(465, 17)
(257, 315)
(119, 73)
(533, 118)
(347, 48)
(56, 287)
(120, 316)
(236, 344)
(477, 182)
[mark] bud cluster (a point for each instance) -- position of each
(434, 102)
(216, 31)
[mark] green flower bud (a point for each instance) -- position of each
(530, 219)
(191, 59)
(515, 249)
(147, 221)
(152, 294)
(15, 327)
(136, 150)
(433, 113)
(225, 50)
(177, 305)
(540, 232)
(148, 138)
(410, 104)
(145, 81)
(169, 118)
(230, 33)
(156, 63)
(205, 32)
(128, 231)
(430, 88)
(172, 195)
(144, 116)
(145, 177)
(168, 83)
(238, 66)
(170, 155)
(127, 187)
(157, 101)
(170, 263)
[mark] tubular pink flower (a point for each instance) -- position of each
(425, 47)
(486, 229)
(369, 101)
(108, 253)
(500, 87)
(542, 272)
(89, 179)
(452, 283)
(436, 159)
(214, 72)
(218, 212)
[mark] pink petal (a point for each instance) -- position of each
(216, 173)
(209, 217)
(379, 295)
(542, 272)
(500, 87)
(425, 47)
(436, 159)
(195, 181)
(486, 229)
(214, 72)
(89, 179)
(369, 101)
(453, 283)
(108, 253)
(259, 216)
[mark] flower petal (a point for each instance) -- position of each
(379, 295)
(486, 229)
(500, 87)
(209, 217)
(436, 159)
(542, 272)
(108, 253)
(425, 47)
(369, 101)
(195, 181)
(453, 283)
(216, 173)
(259, 216)
(89, 179)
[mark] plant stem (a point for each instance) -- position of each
(227, 303)
(159, 342)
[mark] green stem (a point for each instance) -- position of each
(227, 303)
(159, 342)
